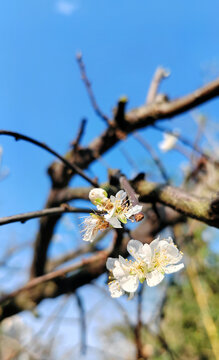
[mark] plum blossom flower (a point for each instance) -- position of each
(98, 197)
(93, 224)
(119, 211)
(124, 277)
(115, 210)
(168, 142)
(150, 264)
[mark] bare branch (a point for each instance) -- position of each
(186, 142)
(199, 208)
(76, 142)
(140, 117)
(45, 212)
(89, 89)
(132, 196)
(72, 166)
(160, 73)
(82, 250)
(55, 274)
(145, 232)
(153, 154)
(138, 328)
(129, 159)
(83, 323)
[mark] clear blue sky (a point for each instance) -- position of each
(41, 93)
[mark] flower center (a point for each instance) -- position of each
(140, 269)
(160, 259)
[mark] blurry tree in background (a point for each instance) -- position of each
(178, 319)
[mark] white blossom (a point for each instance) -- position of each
(115, 211)
(162, 258)
(119, 210)
(150, 264)
(93, 224)
(168, 142)
(125, 280)
(98, 197)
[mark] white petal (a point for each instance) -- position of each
(121, 269)
(133, 210)
(163, 244)
(173, 268)
(134, 247)
(121, 195)
(110, 263)
(90, 234)
(154, 278)
(154, 244)
(168, 142)
(97, 195)
(146, 253)
(129, 283)
(123, 261)
(169, 240)
(115, 222)
(173, 254)
(139, 251)
(112, 198)
(100, 207)
(110, 213)
(115, 289)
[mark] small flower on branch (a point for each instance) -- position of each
(169, 142)
(150, 264)
(119, 211)
(93, 224)
(115, 211)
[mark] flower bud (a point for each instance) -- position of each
(98, 196)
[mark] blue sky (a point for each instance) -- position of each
(41, 93)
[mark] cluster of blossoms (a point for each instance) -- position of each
(150, 264)
(115, 210)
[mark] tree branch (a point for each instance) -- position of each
(57, 273)
(186, 142)
(199, 208)
(160, 73)
(134, 119)
(72, 166)
(153, 154)
(76, 142)
(89, 89)
(45, 212)
(43, 288)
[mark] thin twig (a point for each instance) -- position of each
(72, 166)
(142, 116)
(138, 328)
(58, 273)
(132, 196)
(153, 154)
(129, 159)
(89, 89)
(83, 323)
(160, 73)
(85, 249)
(55, 319)
(81, 130)
(45, 212)
(186, 142)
